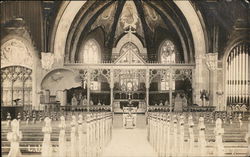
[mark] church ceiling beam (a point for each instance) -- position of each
(111, 39)
(147, 32)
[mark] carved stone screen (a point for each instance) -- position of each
(16, 87)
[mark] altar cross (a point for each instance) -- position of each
(130, 32)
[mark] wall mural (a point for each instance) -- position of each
(59, 79)
(13, 48)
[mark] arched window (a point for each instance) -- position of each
(167, 52)
(237, 74)
(91, 52)
(167, 55)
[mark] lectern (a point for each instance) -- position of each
(129, 117)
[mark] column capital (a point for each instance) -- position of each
(47, 60)
(111, 85)
(212, 61)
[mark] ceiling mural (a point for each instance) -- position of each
(15, 52)
(152, 18)
(106, 19)
(117, 18)
(129, 16)
(129, 19)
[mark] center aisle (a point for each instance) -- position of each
(129, 143)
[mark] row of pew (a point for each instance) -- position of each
(82, 135)
(189, 134)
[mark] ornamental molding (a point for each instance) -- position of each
(212, 61)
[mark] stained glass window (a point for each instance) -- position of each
(167, 52)
(91, 52)
(92, 55)
(167, 55)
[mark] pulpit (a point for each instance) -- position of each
(129, 117)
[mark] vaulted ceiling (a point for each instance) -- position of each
(154, 21)
(151, 22)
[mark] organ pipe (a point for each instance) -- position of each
(248, 73)
(233, 77)
(244, 74)
(237, 74)
(230, 77)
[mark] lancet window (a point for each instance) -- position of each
(91, 52)
(167, 55)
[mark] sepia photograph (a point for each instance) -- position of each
(125, 78)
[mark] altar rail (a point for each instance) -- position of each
(93, 108)
(185, 109)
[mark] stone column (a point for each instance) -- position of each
(35, 85)
(170, 88)
(64, 98)
(88, 87)
(212, 61)
(111, 88)
(198, 80)
(147, 84)
(46, 64)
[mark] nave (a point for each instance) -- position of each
(93, 78)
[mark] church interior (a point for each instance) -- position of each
(125, 78)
